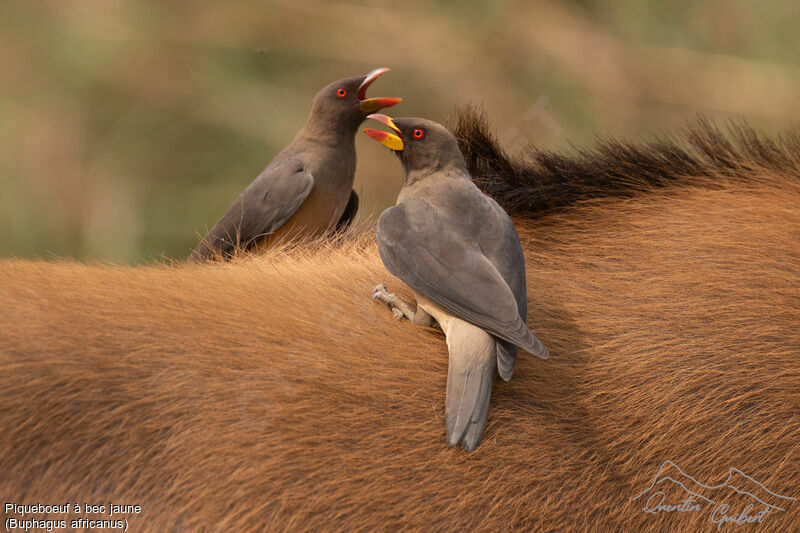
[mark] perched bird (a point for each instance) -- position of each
(459, 252)
(307, 188)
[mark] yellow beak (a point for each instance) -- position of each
(395, 142)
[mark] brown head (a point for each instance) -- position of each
(343, 104)
(422, 145)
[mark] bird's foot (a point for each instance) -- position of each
(399, 308)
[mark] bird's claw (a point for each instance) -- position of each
(382, 295)
(380, 287)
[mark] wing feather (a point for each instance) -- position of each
(418, 245)
(262, 208)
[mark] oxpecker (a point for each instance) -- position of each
(307, 189)
(459, 252)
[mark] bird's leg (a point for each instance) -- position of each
(398, 306)
(402, 309)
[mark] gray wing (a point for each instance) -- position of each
(419, 245)
(506, 254)
(264, 206)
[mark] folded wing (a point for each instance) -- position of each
(418, 245)
(262, 208)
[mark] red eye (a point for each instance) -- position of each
(418, 133)
(341, 92)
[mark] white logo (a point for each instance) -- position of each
(738, 500)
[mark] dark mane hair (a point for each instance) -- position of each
(541, 181)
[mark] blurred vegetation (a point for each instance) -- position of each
(127, 128)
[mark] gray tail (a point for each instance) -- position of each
(506, 358)
(469, 384)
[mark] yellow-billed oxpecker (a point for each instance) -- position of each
(459, 252)
(308, 188)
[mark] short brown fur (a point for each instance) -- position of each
(274, 393)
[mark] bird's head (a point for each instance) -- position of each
(421, 144)
(345, 102)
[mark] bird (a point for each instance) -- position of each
(460, 254)
(306, 190)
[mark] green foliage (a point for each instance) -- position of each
(128, 128)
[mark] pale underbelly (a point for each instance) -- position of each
(472, 341)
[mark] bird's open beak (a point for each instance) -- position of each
(395, 142)
(369, 105)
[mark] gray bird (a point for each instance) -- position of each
(307, 188)
(459, 252)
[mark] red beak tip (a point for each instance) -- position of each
(375, 134)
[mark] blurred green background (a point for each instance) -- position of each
(127, 128)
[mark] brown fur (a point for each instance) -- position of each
(274, 393)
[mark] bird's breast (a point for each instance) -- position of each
(323, 208)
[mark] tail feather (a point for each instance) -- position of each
(506, 359)
(469, 383)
